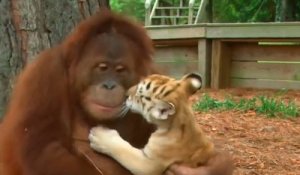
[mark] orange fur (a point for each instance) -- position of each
(44, 110)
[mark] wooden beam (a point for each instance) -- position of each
(177, 42)
(274, 71)
(187, 32)
(175, 69)
(220, 69)
(265, 83)
(227, 31)
(260, 30)
(176, 53)
(243, 51)
(176, 60)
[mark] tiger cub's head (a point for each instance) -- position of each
(157, 97)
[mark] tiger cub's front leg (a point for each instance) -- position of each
(109, 142)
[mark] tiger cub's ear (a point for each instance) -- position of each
(193, 82)
(162, 110)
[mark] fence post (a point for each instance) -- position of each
(204, 61)
(191, 10)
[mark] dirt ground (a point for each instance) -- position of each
(258, 145)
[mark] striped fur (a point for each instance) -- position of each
(162, 101)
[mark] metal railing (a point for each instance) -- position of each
(175, 15)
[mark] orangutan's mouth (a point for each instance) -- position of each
(107, 108)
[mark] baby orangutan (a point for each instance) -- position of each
(163, 101)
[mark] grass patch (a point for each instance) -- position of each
(272, 107)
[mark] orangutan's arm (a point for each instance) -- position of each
(220, 164)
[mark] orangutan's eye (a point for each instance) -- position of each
(120, 68)
(103, 66)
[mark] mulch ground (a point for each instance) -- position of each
(259, 145)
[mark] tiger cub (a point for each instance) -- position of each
(162, 101)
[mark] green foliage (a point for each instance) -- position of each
(207, 103)
(231, 11)
(271, 107)
(246, 104)
(133, 8)
(252, 11)
(244, 10)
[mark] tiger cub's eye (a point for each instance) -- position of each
(148, 98)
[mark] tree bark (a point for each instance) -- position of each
(30, 26)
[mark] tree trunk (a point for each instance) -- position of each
(29, 26)
(285, 10)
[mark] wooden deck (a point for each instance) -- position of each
(260, 55)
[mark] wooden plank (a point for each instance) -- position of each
(216, 64)
(252, 40)
(264, 83)
(258, 30)
(175, 42)
(177, 69)
(220, 70)
(277, 71)
(226, 31)
(252, 51)
(176, 53)
(204, 61)
(178, 32)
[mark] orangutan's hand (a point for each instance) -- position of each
(220, 164)
(184, 170)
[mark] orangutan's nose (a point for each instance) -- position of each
(109, 85)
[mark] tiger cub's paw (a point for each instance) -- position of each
(103, 139)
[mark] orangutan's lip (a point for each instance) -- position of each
(105, 108)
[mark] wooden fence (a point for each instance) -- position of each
(232, 55)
